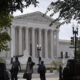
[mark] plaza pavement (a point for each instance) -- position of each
(49, 76)
(39, 79)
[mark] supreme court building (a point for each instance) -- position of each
(29, 30)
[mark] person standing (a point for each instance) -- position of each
(42, 70)
(29, 68)
(60, 73)
(15, 69)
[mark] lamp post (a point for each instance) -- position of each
(75, 33)
(38, 50)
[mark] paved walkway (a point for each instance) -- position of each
(39, 79)
(49, 76)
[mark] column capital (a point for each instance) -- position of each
(51, 30)
(34, 29)
(40, 28)
(26, 28)
(20, 27)
(46, 30)
(13, 26)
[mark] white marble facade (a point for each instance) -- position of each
(31, 29)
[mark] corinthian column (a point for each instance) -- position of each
(46, 44)
(9, 44)
(40, 41)
(12, 41)
(57, 42)
(20, 40)
(27, 47)
(51, 44)
(33, 42)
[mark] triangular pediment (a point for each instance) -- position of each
(35, 16)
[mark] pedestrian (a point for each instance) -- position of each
(42, 70)
(29, 68)
(60, 73)
(15, 69)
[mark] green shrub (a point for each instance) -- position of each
(56, 64)
(2, 60)
(51, 69)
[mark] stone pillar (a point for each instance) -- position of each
(40, 41)
(27, 44)
(52, 44)
(20, 40)
(8, 53)
(46, 44)
(57, 42)
(33, 43)
(12, 41)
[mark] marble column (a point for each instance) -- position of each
(33, 42)
(20, 40)
(52, 44)
(40, 41)
(8, 53)
(27, 44)
(57, 42)
(12, 41)
(46, 44)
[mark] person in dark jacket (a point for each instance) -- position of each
(42, 70)
(15, 69)
(60, 73)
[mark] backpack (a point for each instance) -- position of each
(16, 65)
(42, 69)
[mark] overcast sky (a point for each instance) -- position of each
(65, 30)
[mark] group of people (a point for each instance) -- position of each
(16, 67)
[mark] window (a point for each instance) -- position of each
(61, 54)
(66, 55)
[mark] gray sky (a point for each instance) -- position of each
(65, 30)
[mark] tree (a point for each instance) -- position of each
(5, 20)
(7, 7)
(13, 5)
(67, 9)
